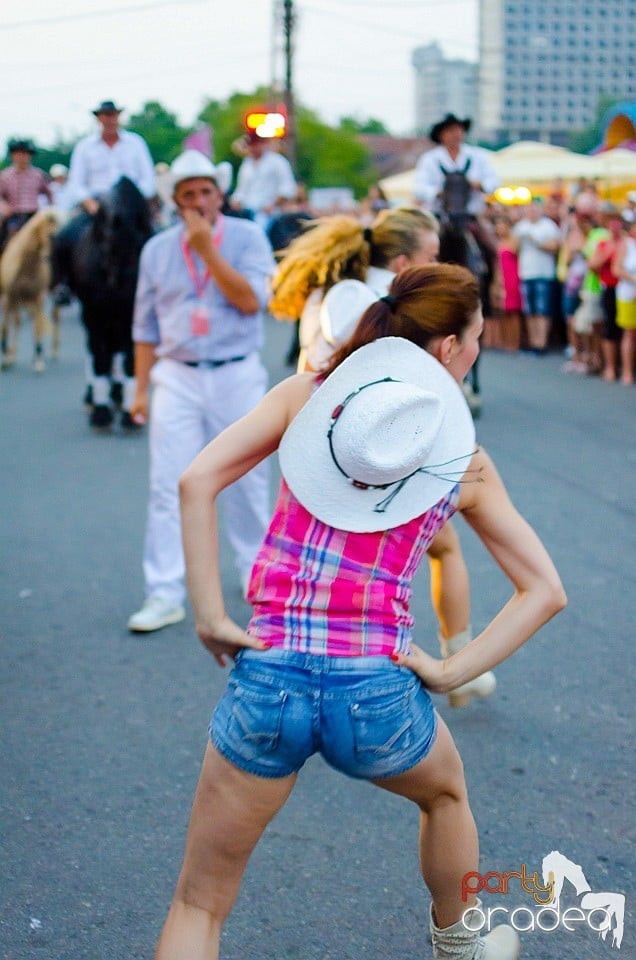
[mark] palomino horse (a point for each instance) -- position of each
(459, 243)
(557, 869)
(99, 258)
(25, 277)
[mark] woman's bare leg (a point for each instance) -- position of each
(449, 847)
(450, 586)
(230, 811)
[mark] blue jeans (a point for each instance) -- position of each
(368, 718)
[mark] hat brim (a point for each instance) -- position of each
(315, 480)
(99, 110)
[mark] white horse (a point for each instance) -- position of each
(25, 277)
(557, 869)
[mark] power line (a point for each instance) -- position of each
(92, 14)
(377, 27)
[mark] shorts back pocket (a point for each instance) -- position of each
(256, 716)
(382, 727)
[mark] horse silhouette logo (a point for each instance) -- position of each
(557, 869)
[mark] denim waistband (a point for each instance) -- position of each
(319, 663)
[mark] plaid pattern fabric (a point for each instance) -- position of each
(319, 590)
(21, 189)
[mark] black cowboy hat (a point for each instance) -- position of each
(450, 120)
(107, 106)
(26, 146)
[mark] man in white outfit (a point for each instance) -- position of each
(100, 159)
(450, 156)
(198, 329)
(265, 179)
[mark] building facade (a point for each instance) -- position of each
(545, 64)
(442, 86)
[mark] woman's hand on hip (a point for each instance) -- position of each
(430, 670)
(224, 638)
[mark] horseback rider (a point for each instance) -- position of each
(97, 163)
(21, 188)
(453, 155)
(453, 180)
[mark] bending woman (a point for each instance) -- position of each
(375, 457)
(319, 279)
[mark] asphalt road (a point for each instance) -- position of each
(103, 732)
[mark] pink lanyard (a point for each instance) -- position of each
(201, 281)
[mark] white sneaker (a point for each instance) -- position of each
(157, 612)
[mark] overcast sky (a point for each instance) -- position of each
(352, 57)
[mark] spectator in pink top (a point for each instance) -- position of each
(507, 285)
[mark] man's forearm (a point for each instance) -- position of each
(145, 357)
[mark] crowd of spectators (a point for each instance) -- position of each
(565, 278)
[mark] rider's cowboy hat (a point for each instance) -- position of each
(107, 106)
(25, 146)
(192, 164)
(450, 120)
(384, 438)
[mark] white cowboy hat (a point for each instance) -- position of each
(385, 437)
(192, 163)
(341, 309)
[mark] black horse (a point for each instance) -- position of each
(462, 242)
(98, 257)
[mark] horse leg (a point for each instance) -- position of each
(41, 326)
(10, 331)
(101, 415)
(56, 319)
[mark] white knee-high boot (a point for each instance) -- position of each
(459, 942)
(481, 686)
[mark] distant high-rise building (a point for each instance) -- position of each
(544, 64)
(442, 86)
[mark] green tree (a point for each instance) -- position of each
(160, 129)
(370, 126)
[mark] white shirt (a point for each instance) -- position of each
(261, 182)
(96, 167)
(534, 263)
(429, 175)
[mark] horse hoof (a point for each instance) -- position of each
(7, 362)
(101, 417)
(39, 366)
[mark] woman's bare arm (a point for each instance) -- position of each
(538, 592)
(229, 456)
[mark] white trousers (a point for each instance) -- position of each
(189, 407)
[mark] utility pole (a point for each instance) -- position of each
(288, 32)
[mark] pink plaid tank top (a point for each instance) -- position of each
(319, 590)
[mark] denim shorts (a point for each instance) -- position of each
(368, 717)
(537, 296)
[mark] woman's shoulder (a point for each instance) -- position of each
(294, 392)
(480, 479)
